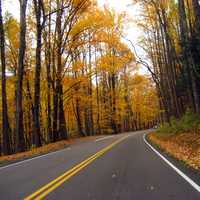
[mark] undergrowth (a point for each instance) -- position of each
(189, 123)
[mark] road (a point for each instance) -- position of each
(125, 168)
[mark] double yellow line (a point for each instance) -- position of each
(46, 189)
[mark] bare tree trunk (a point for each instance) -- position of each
(196, 8)
(98, 106)
(55, 99)
(62, 130)
(19, 107)
(170, 67)
(113, 102)
(31, 111)
(47, 39)
(78, 117)
(55, 116)
(36, 118)
(90, 92)
(62, 122)
(6, 148)
(187, 58)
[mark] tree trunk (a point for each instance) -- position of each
(62, 130)
(113, 103)
(62, 121)
(19, 107)
(196, 8)
(187, 58)
(6, 148)
(90, 92)
(36, 118)
(78, 118)
(48, 76)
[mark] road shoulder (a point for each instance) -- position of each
(189, 172)
(43, 151)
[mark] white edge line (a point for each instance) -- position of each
(42, 156)
(30, 159)
(104, 138)
(189, 180)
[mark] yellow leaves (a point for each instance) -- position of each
(139, 79)
(76, 3)
(93, 20)
(144, 97)
(77, 66)
(111, 63)
(12, 37)
(184, 147)
(117, 56)
(81, 5)
(103, 26)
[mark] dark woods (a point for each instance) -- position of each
(172, 41)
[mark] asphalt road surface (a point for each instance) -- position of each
(122, 167)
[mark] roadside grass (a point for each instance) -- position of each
(189, 123)
(34, 152)
(180, 139)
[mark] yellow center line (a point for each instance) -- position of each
(46, 189)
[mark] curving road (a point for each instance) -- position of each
(121, 167)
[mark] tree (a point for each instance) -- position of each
(72, 75)
(171, 42)
(20, 76)
(39, 9)
(6, 148)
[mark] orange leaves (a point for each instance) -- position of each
(43, 150)
(144, 98)
(81, 5)
(94, 20)
(12, 30)
(184, 147)
(112, 63)
(77, 66)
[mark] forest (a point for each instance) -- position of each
(172, 42)
(66, 70)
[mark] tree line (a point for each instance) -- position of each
(66, 72)
(172, 43)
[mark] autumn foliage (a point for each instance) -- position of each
(184, 147)
(69, 73)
